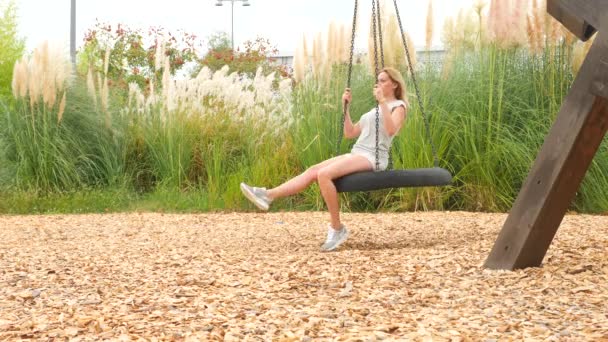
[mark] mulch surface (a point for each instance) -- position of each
(262, 277)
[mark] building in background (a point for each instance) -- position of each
(434, 56)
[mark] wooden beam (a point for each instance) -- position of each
(559, 167)
(582, 17)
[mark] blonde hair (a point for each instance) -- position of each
(396, 77)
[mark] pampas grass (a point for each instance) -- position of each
(300, 61)
(429, 26)
(42, 76)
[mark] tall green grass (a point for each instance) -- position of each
(45, 154)
(489, 115)
(489, 112)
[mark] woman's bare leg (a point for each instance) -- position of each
(337, 169)
(302, 181)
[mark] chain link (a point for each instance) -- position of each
(376, 80)
(409, 61)
(390, 154)
(380, 34)
(346, 106)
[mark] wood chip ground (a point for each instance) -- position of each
(262, 277)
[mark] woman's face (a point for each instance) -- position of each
(386, 84)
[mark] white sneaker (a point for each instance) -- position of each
(334, 238)
(257, 196)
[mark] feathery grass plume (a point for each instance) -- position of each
(106, 60)
(348, 36)
(399, 49)
(20, 79)
(552, 34)
(317, 56)
(159, 53)
(388, 39)
(42, 76)
(326, 73)
(517, 22)
(104, 100)
(531, 31)
(305, 53)
(556, 34)
(371, 53)
(305, 57)
(342, 44)
(478, 7)
(499, 21)
(464, 31)
(298, 65)
(569, 37)
(429, 26)
(502, 33)
(91, 86)
(136, 98)
(581, 49)
(61, 108)
(152, 94)
(168, 87)
(448, 34)
(61, 67)
(412, 48)
(448, 66)
(539, 23)
(331, 47)
(493, 17)
(49, 94)
(391, 37)
(36, 73)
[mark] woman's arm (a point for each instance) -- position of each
(350, 130)
(392, 120)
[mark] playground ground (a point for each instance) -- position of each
(261, 276)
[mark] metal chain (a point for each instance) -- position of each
(380, 34)
(350, 71)
(390, 154)
(409, 61)
(376, 76)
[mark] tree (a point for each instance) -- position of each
(256, 54)
(11, 45)
(219, 42)
(133, 54)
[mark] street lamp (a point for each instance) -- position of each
(73, 32)
(245, 3)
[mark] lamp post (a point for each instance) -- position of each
(220, 3)
(73, 32)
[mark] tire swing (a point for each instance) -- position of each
(390, 178)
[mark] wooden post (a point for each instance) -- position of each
(567, 151)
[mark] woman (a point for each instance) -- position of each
(389, 91)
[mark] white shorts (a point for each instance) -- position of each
(371, 157)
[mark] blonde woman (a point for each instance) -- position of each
(389, 91)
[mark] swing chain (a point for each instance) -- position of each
(411, 67)
(380, 34)
(376, 75)
(390, 154)
(346, 105)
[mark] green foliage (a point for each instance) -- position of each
(490, 111)
(11, 45)
(219, 42)
(133, 56)
(256, 54)
(48, 153)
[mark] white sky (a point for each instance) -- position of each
(284, 22)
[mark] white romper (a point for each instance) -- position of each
(366, 143)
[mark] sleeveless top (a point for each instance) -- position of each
(367, 138)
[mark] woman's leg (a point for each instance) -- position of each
(300, 182)
(344, 166)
